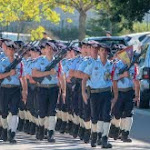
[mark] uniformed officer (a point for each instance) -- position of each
(99, 75)
(63, 104)
(31, 90)
(2, 55)
(67, 104)
(10, 94)
(22, 108)
(3, 47)
(47, 92)
(77, 98)
(80, 74)
(128, 87)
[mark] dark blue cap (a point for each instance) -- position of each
(75, 48)
(52, 45)
(106, 47)
(35, 49)
(94, 44)
(11, 44)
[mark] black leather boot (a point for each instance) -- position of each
(71, 128)
(93, 139)
(81, 133)
(116, 133)
(45, 134)
(125, 137)
(99, 138)
(20, 125)
(51, 136)
(41, 133)
(32, 128)
(75, 130)
(70, 124)
(120, 134)
(105, 143)
(37, 132)
(1, 130)
(26, 126)
(4, 135)
(11, 137)
(58, 124)
(111, 131)
(63, 127)
(87, 135)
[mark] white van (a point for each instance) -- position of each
(145, 81)
(15, 36)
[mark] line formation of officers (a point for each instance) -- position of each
(84, 95)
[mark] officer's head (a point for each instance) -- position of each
(95, 46)
(42, 47)
(84, 48)
(35, 52)
(74, 51)
(11, 47)
(104, 51)
(3, 44)
(50, 48)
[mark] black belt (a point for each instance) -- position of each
(9, 86)
(100, 90)
(47, 85)
(125, 89)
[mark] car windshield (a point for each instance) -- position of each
(111, 42)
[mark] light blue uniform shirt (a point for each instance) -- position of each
(41, 65)
(86, 61)
(12, 80)
(66, 66)
(100, 75)
(26, 66)
(2, 55)
(125, 82)
(76, 62)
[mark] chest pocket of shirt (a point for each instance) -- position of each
(43, 66)
(97, 72)
(107, 75)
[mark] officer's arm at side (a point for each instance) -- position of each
(37, 73)
(137, 88)
(78, 74)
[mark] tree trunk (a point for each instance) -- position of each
(82, 25)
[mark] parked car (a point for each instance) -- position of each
(115, 42)
(145, 80)
(138, 40)
(146, 40)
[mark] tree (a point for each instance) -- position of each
(37, 33)
(27, 10)
(106, 20)
(82, 6)
(131, 10)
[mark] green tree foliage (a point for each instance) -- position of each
(130, 10)
(106, 20)
(82, 6)
(37, 33)
(25, 10)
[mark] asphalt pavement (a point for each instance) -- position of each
(140, 134)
